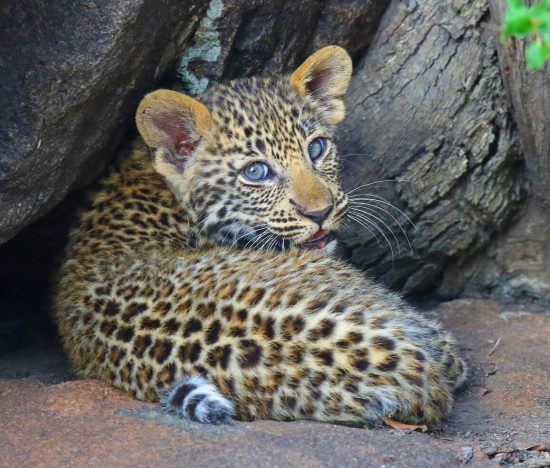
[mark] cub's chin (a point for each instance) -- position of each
(330, 247)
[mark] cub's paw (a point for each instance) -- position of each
(198, 400)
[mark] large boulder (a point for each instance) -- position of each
(71, 75)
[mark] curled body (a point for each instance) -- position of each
(201, 276)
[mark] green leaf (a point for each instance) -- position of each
(543, 20)
(518, 23)
(529, 21)
(537, 53)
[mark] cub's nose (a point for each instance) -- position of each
(317, 216)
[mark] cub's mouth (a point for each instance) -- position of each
(318, 241)
(321, 240)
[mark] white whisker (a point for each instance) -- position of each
(353, 218)
(364, 197)
(365, 204)
(266, 241)
(366, 219)
(379, 182)
(258, 239)
(247, 234)
(366, 213)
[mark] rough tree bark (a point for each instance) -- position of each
(427, 105)
(517, 264)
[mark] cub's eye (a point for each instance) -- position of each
(257, 171)
(317, 148)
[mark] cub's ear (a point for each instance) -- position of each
(173, 124)
(324, 77)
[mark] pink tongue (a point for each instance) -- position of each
(322, 244)
(317, 235)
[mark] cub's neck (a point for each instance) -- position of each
(134, 212)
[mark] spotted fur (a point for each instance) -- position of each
(167, 293)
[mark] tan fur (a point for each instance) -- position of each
(333, 64)
(155, 287)
(307, 190)
(162, 102)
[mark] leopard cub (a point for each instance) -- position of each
(200, 277)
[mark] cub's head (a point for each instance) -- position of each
(255, 162)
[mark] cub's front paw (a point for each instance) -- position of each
(196, 399)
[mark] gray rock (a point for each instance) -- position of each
(465, 454)
(72, 73)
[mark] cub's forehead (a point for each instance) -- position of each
(257, 106)
(252, 95)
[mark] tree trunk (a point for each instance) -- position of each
(518, 262)
(427, 110)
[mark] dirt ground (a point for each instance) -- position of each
(502, 416)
